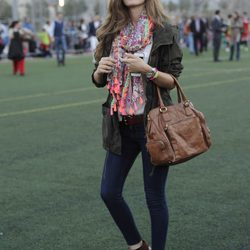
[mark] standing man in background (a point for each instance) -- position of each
(197, 27)
(58, 34)
(217, 26)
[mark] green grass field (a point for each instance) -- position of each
(51, 161)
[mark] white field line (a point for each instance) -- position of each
(97, 101)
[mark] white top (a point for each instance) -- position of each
(146, 51)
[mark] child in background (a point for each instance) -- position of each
(16, 50)
(45, 43)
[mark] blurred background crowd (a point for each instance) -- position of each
(79, 36)
(78, 21)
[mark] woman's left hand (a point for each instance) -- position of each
(135, 64)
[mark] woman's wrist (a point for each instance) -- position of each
(97, 76)
(152, 74)
(146, 69)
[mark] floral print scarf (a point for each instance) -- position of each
(128, 91)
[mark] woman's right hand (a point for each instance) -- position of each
(105, 66)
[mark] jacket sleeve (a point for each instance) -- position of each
(175, 66)
(101, 84)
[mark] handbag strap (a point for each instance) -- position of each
(180, 93)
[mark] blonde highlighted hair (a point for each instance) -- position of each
(118, 17)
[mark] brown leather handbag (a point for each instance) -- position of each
(176, 133)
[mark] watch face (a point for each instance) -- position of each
(151, 73)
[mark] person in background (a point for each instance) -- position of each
(28, 25)
(47, 27)
(205, 34)
(3, 38)
(30, 41)
(245, 35)
(44, 42)
(58, 34)
(16, 50)
(197, 27)
(217, 28)
(237, 28)
(4, 32)
(228, 32)
(72, 35)
(2, 46)
(93, 26)
(189, 34)
(83, 28)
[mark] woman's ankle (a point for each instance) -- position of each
(142, 245)
(136, 246)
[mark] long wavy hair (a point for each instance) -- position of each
(118, 17)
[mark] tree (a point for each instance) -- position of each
(74, 8)
(223, 4)
(5, 10)
(172, 6)
(38, 11)
(184, 5)
(97, 8)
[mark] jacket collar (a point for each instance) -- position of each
(162, 36)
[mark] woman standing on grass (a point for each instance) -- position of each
(137, 50)
(16, 50)
(236, 30)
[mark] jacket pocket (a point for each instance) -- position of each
(106, 122)
(110, 131)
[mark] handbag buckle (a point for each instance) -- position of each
(163, 109)
(186, 103)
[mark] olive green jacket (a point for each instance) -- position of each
(166, 56)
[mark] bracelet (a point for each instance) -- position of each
(155, 75)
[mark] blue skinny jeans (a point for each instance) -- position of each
(116, 169)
